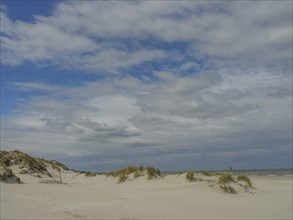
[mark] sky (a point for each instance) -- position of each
(180, 85)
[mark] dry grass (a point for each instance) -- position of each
(138, 173)
(137, 170)
(153, 172)
(122, 178)
(246, 179)
(228, 189)
(6, 174)
(31, 164)
(225, 178)
(206, 173)
(190, 176)
(89, 174)
(125, 171)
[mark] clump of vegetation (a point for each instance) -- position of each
(6, 173)
(90, 174)
(138, 173)
(228, 189)
(206, 173)
(219, 173)
(197, 179)
(125, 171)
(137, 170)
(245, 179)
(109, 173)
(122, 178)
(190, 176)
(55, 164)
(225, 178)
(23, 160)
(153, 172)
(29, 164)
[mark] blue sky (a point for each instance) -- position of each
(179, 85)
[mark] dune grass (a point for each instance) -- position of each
(125, 171)
(190, 176)
(136, 170)
(246, 179)
(225, 178)
(122, 178)
(152, 172)
(206, 173)
(90, 174)
(6, 173)
(228, 189)
(138, 173)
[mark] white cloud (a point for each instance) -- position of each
(229, 114)
(108, 36)
(29, 86)
(180, 112)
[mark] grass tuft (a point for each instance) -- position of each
(228, 189)
(153, 172)
(206, 173)
(122, 178)
(225, 178)
(245, 179)
(190, 176)
(89, 174)
(6, 173)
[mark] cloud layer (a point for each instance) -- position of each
(179, 84)
(110, 36)
(228, 115)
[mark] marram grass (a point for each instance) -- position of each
(225, 178)
(228, 189)
(246, 179)
(190, 176)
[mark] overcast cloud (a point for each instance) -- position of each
(182, 84)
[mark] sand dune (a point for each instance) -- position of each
(171, 197)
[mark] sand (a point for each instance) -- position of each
(171, 197)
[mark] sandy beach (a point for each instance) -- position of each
(171, 197)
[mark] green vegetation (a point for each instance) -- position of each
(55, 164)
(153, 172)
(246, 179)
(137, 172)
(190, 176)
(6, 173)
(89, 174)
(228, 189)
(125, 171)
(29, 164)
(23, 160)
(122, 178)
(206, 173)
(225, 178)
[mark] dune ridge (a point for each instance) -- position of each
(90, 195)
